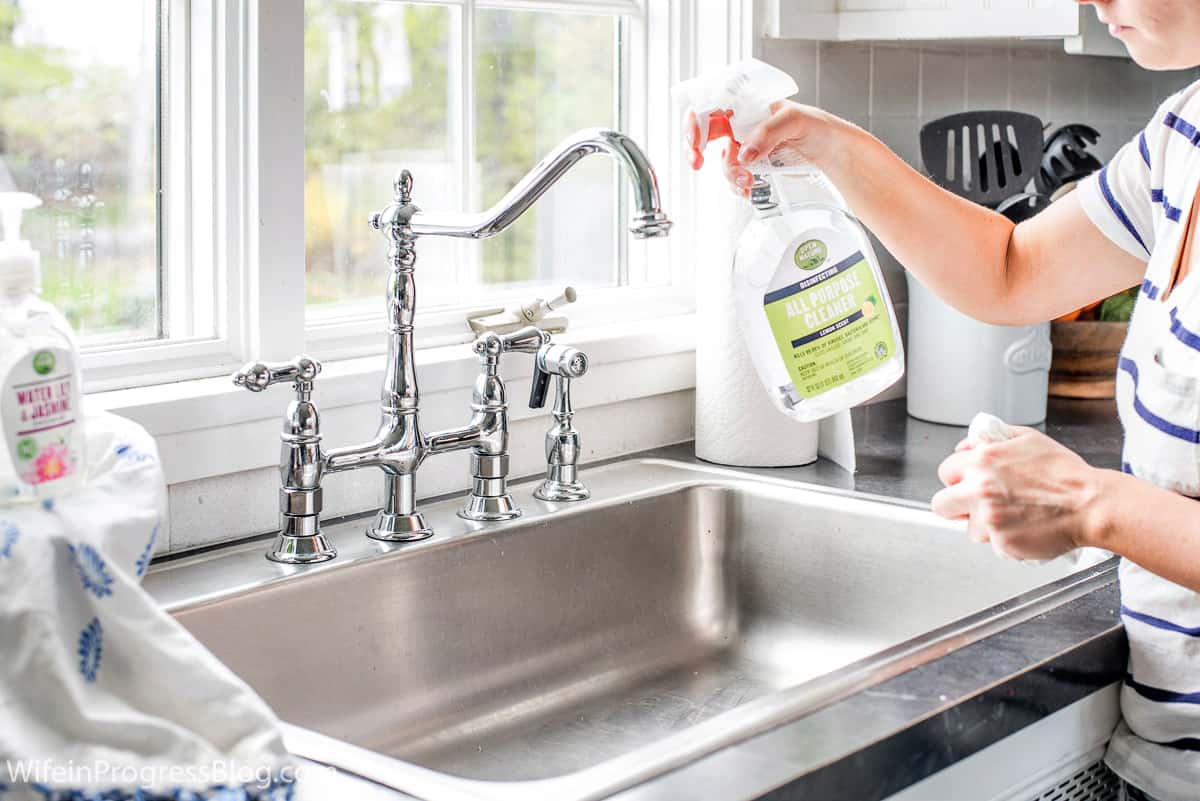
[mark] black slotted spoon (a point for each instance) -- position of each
(984, 156)
(1067, 158)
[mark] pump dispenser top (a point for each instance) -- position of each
(20, 266)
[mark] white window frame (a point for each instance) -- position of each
(653, 290)
(668, 292)
(203, 269)
(180, 391)
(235, 131)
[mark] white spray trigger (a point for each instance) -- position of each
(746, 90)
(702, 124)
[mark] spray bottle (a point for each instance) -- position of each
(809, 294)
(41, 426)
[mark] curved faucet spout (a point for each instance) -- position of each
(648, 220)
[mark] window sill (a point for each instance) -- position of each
(207, 427)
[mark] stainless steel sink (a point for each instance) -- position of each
(587, 647)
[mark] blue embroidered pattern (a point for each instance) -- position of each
(143, 561)
(228, 794)
(92, 570)
(91, 648)
(9, 534)
(126, 451)
(279, 791)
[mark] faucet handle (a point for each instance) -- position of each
(539, 388)
(525, 340)
(299, 540)
(257, 376)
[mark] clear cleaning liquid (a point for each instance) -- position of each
(811, 300)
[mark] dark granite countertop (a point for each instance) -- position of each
(898, 455)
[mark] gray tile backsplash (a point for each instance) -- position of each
(943, 83)
(892, 89)
(895, 82)
(843, 80)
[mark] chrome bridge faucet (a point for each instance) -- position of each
(399, 446)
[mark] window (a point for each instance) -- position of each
(200, 210)
(468, 98)
(381, 82)
(79, 129)
(109, 113)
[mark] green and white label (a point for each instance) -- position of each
(810, 255)
(37, 415)
(830, 325)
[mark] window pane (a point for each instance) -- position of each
(380, 94)
(78, 106)
(383, 90)
(540, 76)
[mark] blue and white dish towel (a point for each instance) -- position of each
(102, 694)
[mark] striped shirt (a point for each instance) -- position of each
(1141, 201)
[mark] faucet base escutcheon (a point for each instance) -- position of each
(558, 491)
(300, 541)
(301, 550)
(399, 528)
(489, 509)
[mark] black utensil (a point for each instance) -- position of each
(1021, 207)
(1066, 157)
(984, 156)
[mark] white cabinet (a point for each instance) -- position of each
(848, 20)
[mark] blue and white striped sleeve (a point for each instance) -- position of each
(1119, 199)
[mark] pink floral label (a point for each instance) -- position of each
(39, 399)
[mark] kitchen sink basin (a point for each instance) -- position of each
(587, 647)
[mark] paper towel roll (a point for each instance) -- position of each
(736, 422)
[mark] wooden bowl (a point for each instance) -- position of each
(1085, 358)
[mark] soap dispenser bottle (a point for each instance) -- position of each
(41, 427)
